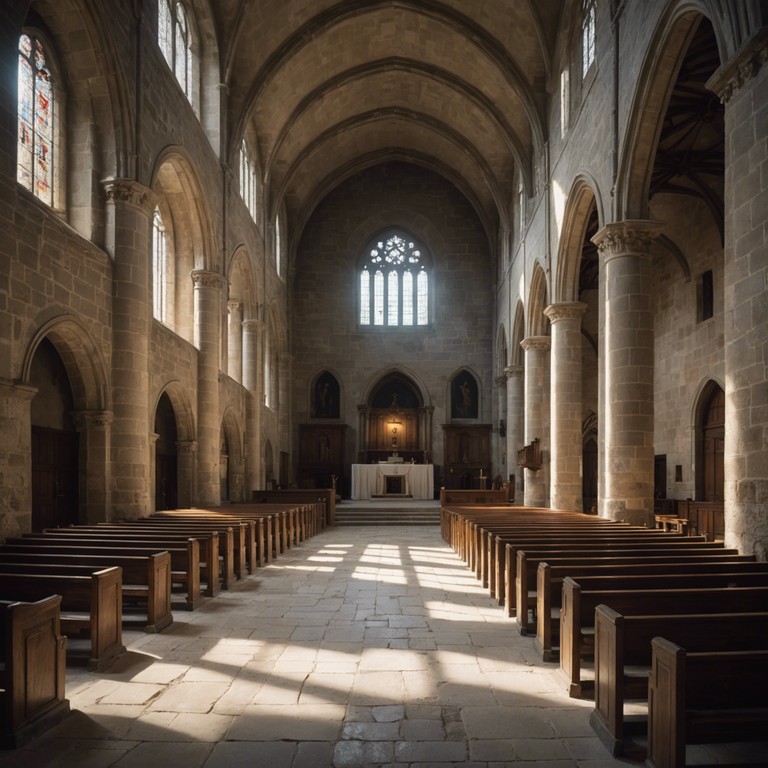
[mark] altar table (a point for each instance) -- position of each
(369, 480)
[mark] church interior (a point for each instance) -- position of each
(394, 249)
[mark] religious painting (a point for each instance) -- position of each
(464, 396)
(325, 397)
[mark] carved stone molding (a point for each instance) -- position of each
(565, 310)
(9, 388)
(514, 371)
(745, 65)
(633, 237)
(131, 192)
(206, 278)
(254, 326)
(85, 420)
(233, 305)
(536, 343)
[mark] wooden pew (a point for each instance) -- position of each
(583, 548)
(146, 579)
(704, 698)
(185, 557)
(299, 496)
(32, 670)
(218, 567)
(89, 604)
(577, 616)
(552, 572)
(208, 547)
(623, 658)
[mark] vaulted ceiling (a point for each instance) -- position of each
(325, 88)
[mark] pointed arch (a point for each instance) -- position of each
(582, 197)
(518, 334)
(502, 353)
(537, 323)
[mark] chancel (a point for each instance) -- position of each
(450, 261)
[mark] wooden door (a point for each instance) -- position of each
(55, 480)
(713, 437)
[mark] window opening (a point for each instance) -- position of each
(389, 294)
(587, 36)
(35, 147)
(159, 268)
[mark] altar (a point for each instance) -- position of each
(385, 479)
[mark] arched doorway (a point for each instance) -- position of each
(710, 445)
(55, 443)
(166, 456)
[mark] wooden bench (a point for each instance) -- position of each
(32, 672)
(577, 616)
(623, 658)
(90, 605)
(146, 579)
(298, 496)
(464, 496)
(551, 572)
(587, 549)
(208, 548)
(185, 557)
(704, 698)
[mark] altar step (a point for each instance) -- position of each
(387, 516)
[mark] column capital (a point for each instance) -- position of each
(500, 381)
(233, 305)
(10, 388)
(85, 420)
(632, 237)
(254, 326)
(188, 447)
(514, 371)
(565, 310)
(362, 408)
(131, 192)
(536, 343)
(735, 74)
(207, 278)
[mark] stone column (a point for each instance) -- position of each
(627, 412)
(129, 226)
(15, 457)
(501, 407)
(235, 340)
(428, 412)
(743, 85)
(566, 407)
(537, 415)
(253, 331)
(515, 423)
(95, 482)
(208, 286)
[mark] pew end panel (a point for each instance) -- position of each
(32, 678)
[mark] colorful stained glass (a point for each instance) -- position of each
(35, 145)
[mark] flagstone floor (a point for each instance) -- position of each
(364, 646)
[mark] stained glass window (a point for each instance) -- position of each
(35, 145)
(393, 297)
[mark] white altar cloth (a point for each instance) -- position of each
(369, 480)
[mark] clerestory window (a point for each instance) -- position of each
(36, 121)
(247, 180)
(159, 268)
(587, 36)
(394, 283)
(174, 37)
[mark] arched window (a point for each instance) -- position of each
(247, 180)
(587, 36)
(159, 268)
(174, 36)
(279, 244)
(394, 283)
(36, 122)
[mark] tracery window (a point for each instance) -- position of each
(174, 37)
(159, 268)
(247, 180)
(394, 283)
(587, 36)
(36, 121)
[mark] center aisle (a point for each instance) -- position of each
(364, 646)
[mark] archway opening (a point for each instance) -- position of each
(166, 455)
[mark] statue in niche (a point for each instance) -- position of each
(464, 397)
(326, 397)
